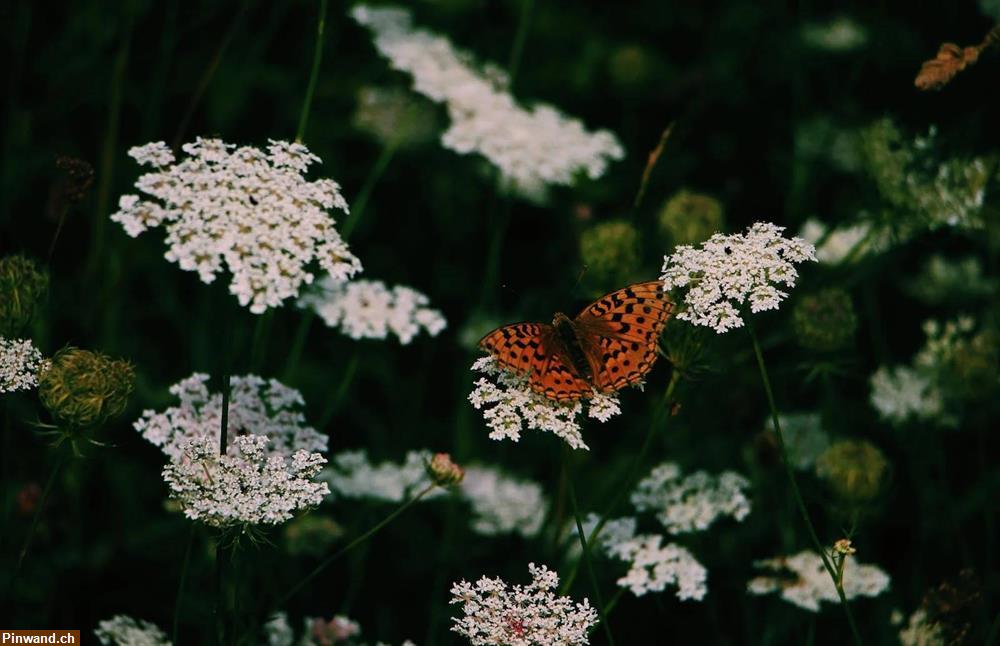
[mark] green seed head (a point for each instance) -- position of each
(22, 285)
(85, 389)
(854, 470)
(690, 218)
(611, 252)
(311, 535)
(825, 320)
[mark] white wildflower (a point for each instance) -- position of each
(691, 503)
(122, 630)
(943, 341)
(804, 437)
(850, 243)
(730, 270)
(902, 393)
(278, 632)
(351, 475)
(367, 309)
(943, 280)
(321, 632)
(20, 363)
(502, 504)
(615, 531)
(247, 485)
(842, 34)
(509, 406)
(258, 407)
(495, 613)
(243, 209)
(921, 631)
(533, 148)
(812, 584)
(652, 567)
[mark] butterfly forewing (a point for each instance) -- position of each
(626, 326)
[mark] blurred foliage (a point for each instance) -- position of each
(746, 83)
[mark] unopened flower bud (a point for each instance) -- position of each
(311, 534)
(443, 471)
(610, 250)
(83, 388)
(22, 284)
(690, 218)
(843, 547)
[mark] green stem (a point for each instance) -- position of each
(520, 38)
(299, 343)
(300, 133)
(221, 551)
(347, 548)
(582, 535)
(795, 488)
(364, 195)
(180, 585)
(258, 348)
(222, 555)
(633, 473)
(345, 383)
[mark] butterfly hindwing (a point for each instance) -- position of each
(559, 381)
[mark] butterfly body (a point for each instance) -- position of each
(610, 344)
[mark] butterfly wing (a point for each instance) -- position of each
(533, 349)
(620, 332)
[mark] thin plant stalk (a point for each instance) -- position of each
(180, 585)
(345, 382)
(582, 535)
(347, 548)
(364, 195)
(837, 582)
(23, 553)
(300, 132)
(633, 474)
(221, 548)
(299, 343)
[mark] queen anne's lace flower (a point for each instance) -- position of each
(533, 148)
(652, 567)
(495, 613)
(247, 485)
(901, 393)
(258, 407)
(367, 309)
(351, 475)
(812, 585)
(730, 270)
(691, 503)
(122, 630)
(502, 504)
(852, 242)
(243, 208)
(20, 362)
(509, 406)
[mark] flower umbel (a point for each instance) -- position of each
(122, 630)
(368, 309)
(694, 502)
(444, 472)
(244, 209)
(20, 363)
(730, 270)
(812, 585)
(495, 613)
(22, 284)
(509, 406)
(83, 388)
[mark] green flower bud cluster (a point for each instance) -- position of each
(22, 285)
(84, 389)
(689, 218)
(611, 252)
(854, 470)
(825, 320)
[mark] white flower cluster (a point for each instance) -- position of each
(943, 280)
(257, 406)
(20, 363)
(811, 584)
(694, 502)
(509, 406)
(848, 243)
(495, 613)
(502, 504)
(943, 341)
(267, 472)
(122, 630)
(367, 309)
(840, 34)
(243, 208)
(901, 393)
(804, 437)
(532, 148)
(921, 631)
(316, 632)
(351, 475)
(729, 270)
(246, 486)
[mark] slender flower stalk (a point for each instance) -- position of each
(221, 549)
(23, 553)
(827, 565)
(585, 546)
(313, 75)
(180, 585)
(347, 548)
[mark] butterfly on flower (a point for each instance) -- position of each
(611, 344)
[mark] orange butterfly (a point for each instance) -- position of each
(610, 344)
